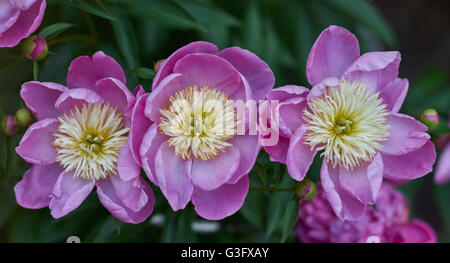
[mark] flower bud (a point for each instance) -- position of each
(430, 118)
(23, 117)
(9, 126)
(35, 48)
(305, 190)
(159, 64)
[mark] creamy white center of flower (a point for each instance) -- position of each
(89, 140)
(199, 122)
(348, 123)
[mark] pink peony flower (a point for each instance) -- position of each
(183, 133)
(351, 114)
(19, 19)
(442, 173)
(388, 223)
(76, 142)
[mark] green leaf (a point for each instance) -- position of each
(252, 32)
(290, 218)
(207, 15)
(163, 11)
(261, 173)
(277, 207)
(54, 30)
(125, 37)
(365, 13)
(93, 7)
(168, 234)
(143, 73)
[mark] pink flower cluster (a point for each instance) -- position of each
(387, 223)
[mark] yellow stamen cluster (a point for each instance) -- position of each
(89, 140)
(348, 123)
(199, 122)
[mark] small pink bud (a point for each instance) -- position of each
(430, 118)
(23, 117)
(305, 190)
(159, 64)
(9, 125)
(35, 48)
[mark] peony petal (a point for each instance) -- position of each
(116, 93)
(36, 146)
(374, 69)
(248, 147)
(69, 192)
(40, 98)
(36, 186)
(27, 22)
(173, 174)
(22, 4)
(108, 197)
(209, 70)
(126, 165)
(222, 202)
(76, 97)
(211, 174)
(345, 206)
(159, 98)
(139, 125)
(405, 135)
(278, 152)
(411, 165)
(169, 63)
(8, 15)
(416, 231)
(290, 114)
(130, 193)
(442, 173)
(332, 53)
(394, 94)
(299, 155)
(287, 92)
(363, 182)
(150, 144)
(84, 72)
(256, 71)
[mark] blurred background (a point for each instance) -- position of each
(138, 33)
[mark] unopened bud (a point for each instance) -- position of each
(35, 48)
(305, 190)
(23, 117)
(159, 64)
(430, 118)
(9, 126)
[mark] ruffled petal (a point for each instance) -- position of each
(139, 125)
(35, 188)
(116, 93)
(211, 174)
(40, 98)
(108, 197)
(411, 165)
(169, 63)
(159, 98)
(405, 135)
(222, 202)
(173, 174)
(249, 147)
(344, 205)
(416, 231)
(76, 97)
(126, 165)
(150, 144)
(130, 193)
(84, 72)
(36, 146)
(209, 70)
(363, 182)
(394, 94)
(299, 155)
(256, 71)
(374, 69)
(69, 192)
(442, 173)
(332, 53)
